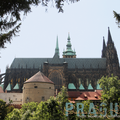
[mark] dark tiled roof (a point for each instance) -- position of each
(86, 63)
(28, 62)
(56, 59)
(39, 77)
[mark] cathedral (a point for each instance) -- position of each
(77, 74)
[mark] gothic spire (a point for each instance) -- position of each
(69, 43)
(104, 45)
(57, 48)
(104, 48)
(68, 37)
(109, 37)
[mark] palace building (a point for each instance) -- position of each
(77, 74)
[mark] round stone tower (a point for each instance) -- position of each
(38, 88)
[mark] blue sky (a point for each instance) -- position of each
(87, 21)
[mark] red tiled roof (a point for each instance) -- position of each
(1, 90)
(73, 94)
(98, 92)
(85, 95)
(39, 77)
(79, 98)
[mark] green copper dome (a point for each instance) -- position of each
(69, 51)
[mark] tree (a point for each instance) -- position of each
(14, 115)
(4, 109)
(52, 109)
(10, 15)
(117, 16)
(111, 89)
(32, 106)
(62, 97)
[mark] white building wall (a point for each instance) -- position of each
(15, 97)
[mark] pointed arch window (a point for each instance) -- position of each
(56, 77)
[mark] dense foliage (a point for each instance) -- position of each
(111, 89)
(117, 17)
(4, 109)
(10, 15)
(52, 109)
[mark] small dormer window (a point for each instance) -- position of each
(85, 96)
(35, 86)
(96, 96)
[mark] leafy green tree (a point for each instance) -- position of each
(4, 109)
(62, 97)
(111, 89)
(25, 113)
(49, 110)
(86, 104)
(10, 15)
(14, 115)
(117, 17)
(32, 106)
(10, 108)
(52, 109)
(41, 112)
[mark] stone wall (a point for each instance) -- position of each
(15, 97)
(37, 92)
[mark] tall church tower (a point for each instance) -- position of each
(112, 63)
(104, 49)
(69, 53)
(57, 48)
